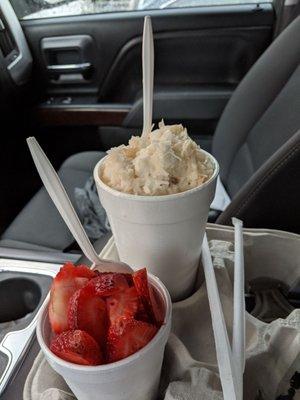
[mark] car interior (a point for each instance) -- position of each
(230, 73)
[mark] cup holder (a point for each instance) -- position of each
(268, 299)
(18, 297)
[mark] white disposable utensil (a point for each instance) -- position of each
(148, 75)
(226, 366)
(239, 315)
(62, 202)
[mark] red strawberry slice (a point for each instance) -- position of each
(141, 314)
(107, 284)
(157, 306)
(67, 281)
(132, 337)
(87, 311)
(129, 279)
(77, 347)
(140, 280)
(122, 305)
(81, 271)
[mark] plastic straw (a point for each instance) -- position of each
(223, 349)
(239, 321)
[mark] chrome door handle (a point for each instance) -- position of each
(69, 68)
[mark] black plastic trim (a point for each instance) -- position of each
(19, 66)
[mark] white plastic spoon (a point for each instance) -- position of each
(62, 202)
(148, 75)
(239, 315)
(226, 366)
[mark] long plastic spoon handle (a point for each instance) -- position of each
(239, 315)
(223, 349)
(148, 72)
(61, 200)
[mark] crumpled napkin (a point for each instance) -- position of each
(93, 215)
(190, 368)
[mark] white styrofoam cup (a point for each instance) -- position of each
(163, 233)
(133, 378)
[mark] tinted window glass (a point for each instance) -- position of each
(56, 8)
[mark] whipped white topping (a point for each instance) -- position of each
(167, 161)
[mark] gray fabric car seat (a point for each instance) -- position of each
(256, 144)
(262, 114)
(271, 197)
(39, 225)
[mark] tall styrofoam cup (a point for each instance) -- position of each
(133, 378)
(163, 233)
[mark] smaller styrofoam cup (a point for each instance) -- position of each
(133, 378)
(163, 233)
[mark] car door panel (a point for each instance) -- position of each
(201, 54)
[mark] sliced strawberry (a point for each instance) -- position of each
(122, 305)
(87, 311)
(67, 281)
(140, 280)
(129, 279)
(133, 336)
(107, 284)
(83, 271)
(77, 347)
(141, 314)
(157, 306)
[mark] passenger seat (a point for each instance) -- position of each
(39, 226)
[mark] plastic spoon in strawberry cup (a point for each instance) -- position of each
(148, 75)
(62, 202)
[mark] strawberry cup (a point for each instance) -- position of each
(133, 378)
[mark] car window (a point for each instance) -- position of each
(29, 9)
